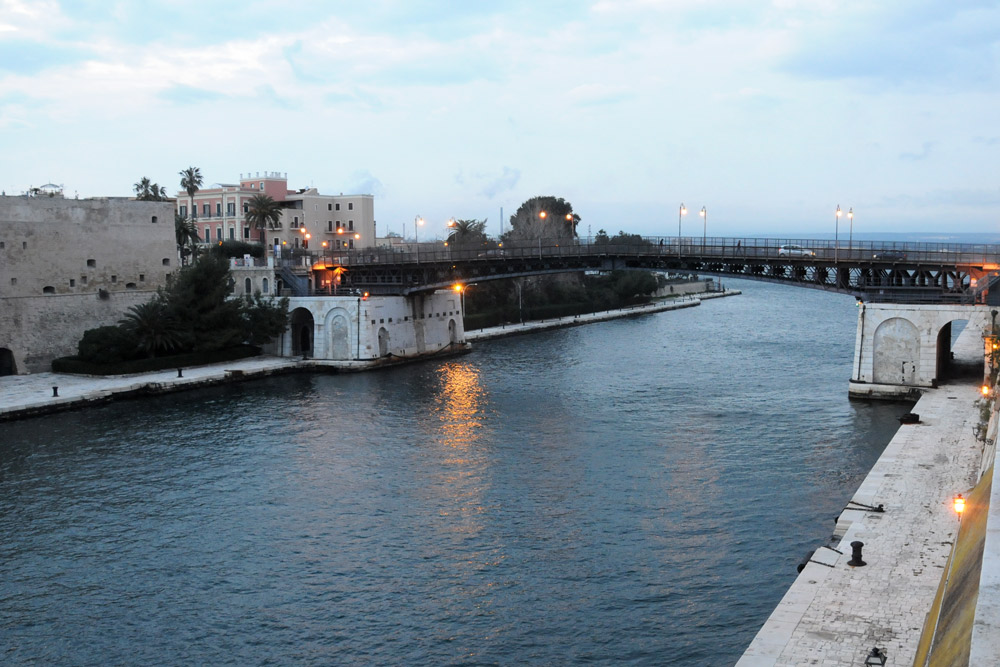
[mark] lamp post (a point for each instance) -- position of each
(836, 234)
(704, 228)
(681, 212)
(417, 221)
(850, 238)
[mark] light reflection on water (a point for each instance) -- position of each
(639, 490)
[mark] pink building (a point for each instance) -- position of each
(309, 218)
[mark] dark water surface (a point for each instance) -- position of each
(639, 490)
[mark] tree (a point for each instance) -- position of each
(190, 182)
(263, 319)
(186, 234)
(543, 218)
(145, 190)
(467, 234)
(263, 213)
(199, 298)
(152, 327)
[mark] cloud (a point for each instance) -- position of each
(27, 58)
(596, 94)
(366, 183)
(505, 182)
(184, 94)
(922, 155)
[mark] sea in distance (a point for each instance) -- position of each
(639, 490)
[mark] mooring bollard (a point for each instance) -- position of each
(856, 554)
(180, 373)
(55, 391)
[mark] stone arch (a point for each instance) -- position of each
(302, 326)
(452, 332)
(7, 365)
(383, 342)
(338, 323)
(896, 352)
(247, 286)
(944, 365)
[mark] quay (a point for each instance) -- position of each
(23, 396)
(837, 610)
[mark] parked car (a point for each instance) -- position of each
(795, 251)
(890, 255)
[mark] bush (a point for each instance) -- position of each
(107, 345)
(237, 249)
(84, 367)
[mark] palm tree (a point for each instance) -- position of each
(263, 212)
(467, 233)
(186, 233)
(190, 182)
(142, 189)
(153, 327)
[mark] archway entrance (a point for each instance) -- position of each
(302, 332)
(896, 347)
(383, 342)
(7, 366)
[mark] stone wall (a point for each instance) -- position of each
(69, 265)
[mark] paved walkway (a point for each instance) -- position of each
(29, 395)
(835, 613)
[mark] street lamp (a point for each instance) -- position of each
(836, 234)
(681, 212)
(850, 238)
(704, 229)
(417, 221)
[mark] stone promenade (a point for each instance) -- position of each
(834, 613)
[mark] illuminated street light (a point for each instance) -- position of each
(959, 504)
(681, 212)
(704, 228)
(417, 221)
(836, 234)
(850, 238)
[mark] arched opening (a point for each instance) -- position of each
(247, 286)
(263, 286)
(896, 352)
(383, 342)
(947, 366)
(7, 366)
(452, 332)
(301, 331)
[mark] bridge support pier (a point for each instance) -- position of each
(902, 349)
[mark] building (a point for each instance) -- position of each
(68, 265)
(308, 220)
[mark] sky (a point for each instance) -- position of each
(768, 114)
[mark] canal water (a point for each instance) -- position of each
(638, 490)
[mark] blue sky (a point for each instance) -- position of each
(769, 114)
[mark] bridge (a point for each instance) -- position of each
(915, 273)
(909, 294)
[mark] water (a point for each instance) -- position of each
(638, 490)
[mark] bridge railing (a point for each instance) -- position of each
(693, 247)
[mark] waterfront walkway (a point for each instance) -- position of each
(40, 393)
(835, 612)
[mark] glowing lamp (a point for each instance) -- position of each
(364, 297)
(959, 504)
(985, 389)
(543, 215)
(340, 230)
(457, 287)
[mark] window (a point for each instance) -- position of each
(246, 232)
(72, 282)
(218, 209)
(262, 185)
(166, 261)
(114, 279)
(208, 235)
(184, 211)
(329, 207)
(13, 281)
(91, 263)
(48, 289)
(295, 221)
(83, 280)
(338, 206)
(350, 225)
(232, 233)
(231, 208)
(218, 233)
(154, 218)
(2, 245)
(246, 207)
(350, 206)
(350, 244)
(247, 286)
(129, 285)
(263, 285)
(142, 277)
(206, 211)
(329, 225)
